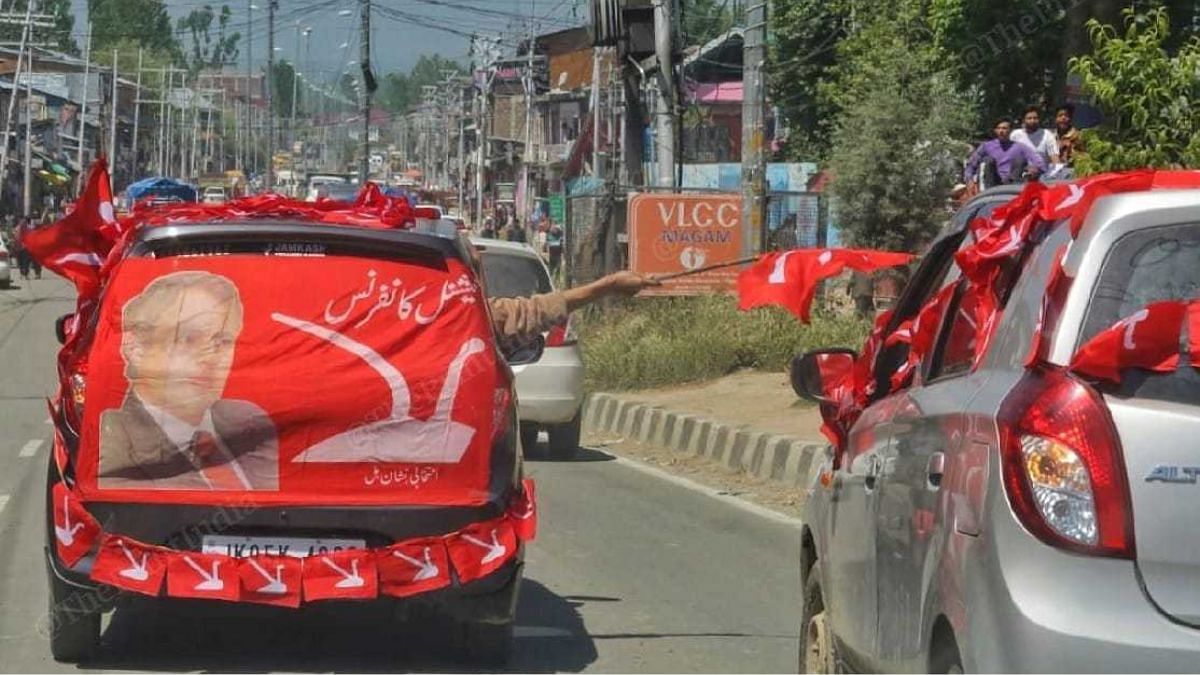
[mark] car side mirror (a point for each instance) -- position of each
(60, 327)
(815, 375)
(526, 353)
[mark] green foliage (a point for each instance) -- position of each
(57, 36)
(1151, 100)
(399, 92)
(803, 53)
(649, 342)
(281, 99)
(209, 51)
(703, 20)
(894, 154)
(144, 23)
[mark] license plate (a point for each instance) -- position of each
(243, 547)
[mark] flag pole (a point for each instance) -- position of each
(709, 268)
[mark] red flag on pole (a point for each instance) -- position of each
(789, 279)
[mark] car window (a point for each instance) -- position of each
(514, 276)
(1161, 263)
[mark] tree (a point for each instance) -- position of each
(703, 20)
(399, 92)
(207, 51)
(144, 22)
(281, 101)
(1151, 99)
(57, 36)
(894, 151)
(802, 57)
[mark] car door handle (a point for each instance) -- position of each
(936, 468)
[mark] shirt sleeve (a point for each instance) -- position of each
(1034, 157)
(519, 320)
(973, 164)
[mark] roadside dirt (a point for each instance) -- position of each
(764, 401)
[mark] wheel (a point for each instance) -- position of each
(564, 438)
(74, 622)
(487, 645)
(5, 283)
(818, 652)
(943, 654)
(529, 437)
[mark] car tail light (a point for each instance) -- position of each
(1063, 467)
(562, 335)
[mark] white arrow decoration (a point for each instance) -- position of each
(138, 572)
(66, 532)
(494, 550)
(350, 579)
(212, 581)
(425, 568)
(1074, 198)
(275, 585)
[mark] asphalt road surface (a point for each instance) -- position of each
(630, 572)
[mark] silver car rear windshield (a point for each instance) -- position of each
(1150, 265)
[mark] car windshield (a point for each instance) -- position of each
(1143, 267)
(514, 276)
(339, 192)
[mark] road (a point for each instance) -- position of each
(629, 573)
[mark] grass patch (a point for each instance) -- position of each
(653, 342)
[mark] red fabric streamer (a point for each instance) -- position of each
(205, 576)
(1148, 339)
(482, 548)
(523, 512)
(924, 332)
(1056, 292)
(1193, 316)
(789, 279)
(129, 565)
(271, 580)
(413, 567)
(75, 530)
(341, 575)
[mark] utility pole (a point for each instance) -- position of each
(247, 134)
(112, 134)
(28, 194)
(270, 180)
(12, 100)
(162, 123)
(364, 62)
(597, 171)
(137, 119)
(83, 104)
(754, 101)
(664, 43)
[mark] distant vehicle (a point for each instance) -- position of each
(317, 180)
(458, 220)
(5, 266)
(985, 520)
(549, 389)
(339, 192)
(437, 208)
(214, 195)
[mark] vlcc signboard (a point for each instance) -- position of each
(671, 233)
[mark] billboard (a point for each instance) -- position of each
(671, 233)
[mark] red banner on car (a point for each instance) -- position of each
(341, 575)
(129, 565)
(1147, 339)
(412, 567)
(210, 381)
(271, 580)
(75, 530)
(201, 575)
(481, 549)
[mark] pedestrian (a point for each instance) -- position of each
(1033, 135)
(25, 261)
(1068, 136)
(1001, 161)
(554, 246)
(489, 228)
(516, 232)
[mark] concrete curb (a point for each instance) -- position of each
(773, 457)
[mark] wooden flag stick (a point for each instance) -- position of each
(709, 268)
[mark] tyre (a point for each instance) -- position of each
(5, 283)
(817, 648)
(564, 438)
(488, 646)
(74, 622)
(529, 437)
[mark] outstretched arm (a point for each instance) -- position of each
(521, 319)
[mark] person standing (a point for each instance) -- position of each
(1068, 136)
(554, 246)
(1031, 134)
(1001, 161)
(25, 261)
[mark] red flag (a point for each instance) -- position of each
(75, 530)
(1194, 333)
(1056, 289)
(129, 565)
(1148, 339)
(271, 580)
(522, 511)
(341, 575)
(412, 567)
(789, 279)
(481, 549)
(203, 575)
(924, 332)
(76, 246)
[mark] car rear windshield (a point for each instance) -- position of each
(514, 276)
(1161, 263)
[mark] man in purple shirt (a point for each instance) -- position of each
(1003, 160)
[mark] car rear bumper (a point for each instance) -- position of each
(1035, 608)
(551, 390)
(5, 272)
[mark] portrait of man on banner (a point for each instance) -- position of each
(174, 429)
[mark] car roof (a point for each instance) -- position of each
(504, 247)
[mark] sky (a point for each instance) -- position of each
(401, 30)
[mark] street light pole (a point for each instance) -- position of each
(364, 59)
(270, 179)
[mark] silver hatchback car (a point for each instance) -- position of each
(926, 550)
